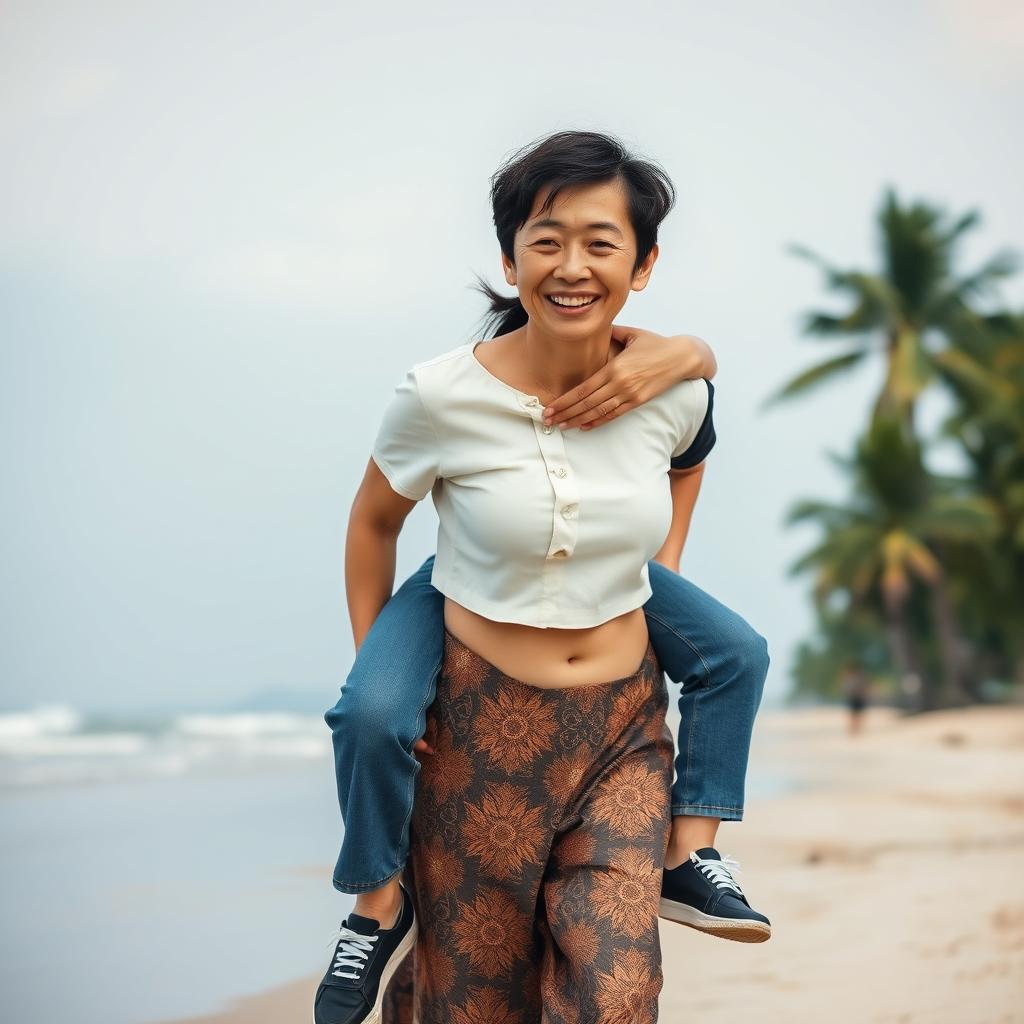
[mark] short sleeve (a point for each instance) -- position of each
(698, 432)
(406, 449)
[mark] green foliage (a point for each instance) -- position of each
(915, 293)
(985, 372)
(928, 569)
(847, 634)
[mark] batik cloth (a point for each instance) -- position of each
(538, 837)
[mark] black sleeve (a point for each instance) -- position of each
(703, 442)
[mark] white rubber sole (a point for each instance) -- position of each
(723, 927)
(374, 1016)
(397, 957)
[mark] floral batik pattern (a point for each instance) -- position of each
(538, 836)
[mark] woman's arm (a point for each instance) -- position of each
(690, 357)
(694, 348)
(685, 485)
(648, 365)
(374, 523)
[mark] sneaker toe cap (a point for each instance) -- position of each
(734, 908)
(335, 1005)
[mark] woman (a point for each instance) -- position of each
(543, 556)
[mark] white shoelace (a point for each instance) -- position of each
(718, 872)
(352, 951)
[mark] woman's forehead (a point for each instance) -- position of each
(582, 207)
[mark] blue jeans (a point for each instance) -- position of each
(719, 660)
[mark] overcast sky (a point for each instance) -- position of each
(226, 231)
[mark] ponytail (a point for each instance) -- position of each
(506, 312)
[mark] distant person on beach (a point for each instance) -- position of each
(856, 687)
(528, 861)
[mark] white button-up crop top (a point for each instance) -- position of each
(535, 525)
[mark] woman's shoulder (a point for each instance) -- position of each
(436, 379)
(416, 410)
(450, 359)
(443, 371)
(693, 395)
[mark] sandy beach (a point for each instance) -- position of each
(891, 874)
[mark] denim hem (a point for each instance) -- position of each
(354, 888)
(708, 811)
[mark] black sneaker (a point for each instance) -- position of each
(702, 893)
(365, 957)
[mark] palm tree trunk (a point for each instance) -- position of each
(914, 694)
(890, 402)
(958, 687)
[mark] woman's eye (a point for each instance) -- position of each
(544, 241)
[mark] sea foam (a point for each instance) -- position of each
(56, 744)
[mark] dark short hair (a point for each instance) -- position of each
(559, 161)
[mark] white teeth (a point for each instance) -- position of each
(560, 301)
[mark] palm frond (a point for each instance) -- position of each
(964, 223)
(815, 375)
(829, 514)
(831, 273)
(979, 284)
(965, 519)
(961, 369)
(921, 561)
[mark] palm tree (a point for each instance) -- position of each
(985, 371)
(847, 632)
(882, 542)
(897, 309)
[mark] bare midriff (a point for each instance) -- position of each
(554, 657)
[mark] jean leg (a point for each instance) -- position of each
(721, 664)
(378, 717)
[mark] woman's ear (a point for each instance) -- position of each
(643, 274)
(509, 269)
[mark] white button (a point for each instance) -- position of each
(568, 511)
(560, 553)
(533, 403)
(547, 430)
(561, 472)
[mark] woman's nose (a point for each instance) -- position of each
(574, 262)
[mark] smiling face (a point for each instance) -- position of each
(581, 251)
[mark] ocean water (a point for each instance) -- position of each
(158, 868)
(55, 744)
